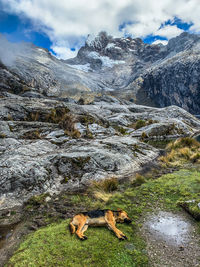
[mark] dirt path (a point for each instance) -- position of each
(172, 240)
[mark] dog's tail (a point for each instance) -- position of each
(72, 228)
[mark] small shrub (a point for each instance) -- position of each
(66, 179)
(139, 124)
(89, 134)
(195, 157)
(150, 122)
(184, 152)
(120, 129)
(139, 179)
(34, 116)
(81, 101)
(86, 119)
(2, 135)
(36, 200)
(9, 118)
(107, 185)
(57, 115)
(32, 135)
(10, 127)
(144, 136)
(183, 142)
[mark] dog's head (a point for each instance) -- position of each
(122, 217)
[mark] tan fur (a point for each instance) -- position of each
(80, 223)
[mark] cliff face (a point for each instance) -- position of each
(176, 79)
(146, 74)
(149, 74)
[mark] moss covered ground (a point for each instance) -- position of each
(54, 246)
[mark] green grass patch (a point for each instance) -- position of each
(54, 246)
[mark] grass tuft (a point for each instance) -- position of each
(182, 150)
(107, 185)
(138, 180)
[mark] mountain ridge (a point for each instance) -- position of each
(149, 74)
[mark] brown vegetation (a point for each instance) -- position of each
(182, 150)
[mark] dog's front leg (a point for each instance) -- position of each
(110, 220)
(81, 228)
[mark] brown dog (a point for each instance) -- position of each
(99, 218)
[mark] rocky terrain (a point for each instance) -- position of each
(153, 75)
(50, 145)
(67, 124)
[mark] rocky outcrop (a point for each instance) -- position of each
(50, 145)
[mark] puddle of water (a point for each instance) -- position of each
(169, 227)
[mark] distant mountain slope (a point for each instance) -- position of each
(154, 75)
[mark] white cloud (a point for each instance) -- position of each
(73, 20)
(63, 52)
(169, 31)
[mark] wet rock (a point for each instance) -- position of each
(192, 207)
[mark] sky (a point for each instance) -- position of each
(62, 26)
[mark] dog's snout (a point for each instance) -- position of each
(127, 220)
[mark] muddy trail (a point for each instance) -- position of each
(172, 239)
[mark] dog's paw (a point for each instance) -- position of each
(121, 238)
(83, 238)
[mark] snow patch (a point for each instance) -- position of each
(110, 45)
(42, 59)
(106, 61)
(84, 67)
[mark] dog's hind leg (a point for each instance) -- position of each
(85, 227)
(110, 220)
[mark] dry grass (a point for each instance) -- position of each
(182, 150)
(138, 180)
(101, 195)
(183, 142)
(102, 190)
(66, 121)
(107, 185)
(32, 135)
(195, 158)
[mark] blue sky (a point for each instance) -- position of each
(63, 26)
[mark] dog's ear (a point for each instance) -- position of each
(119, 209)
